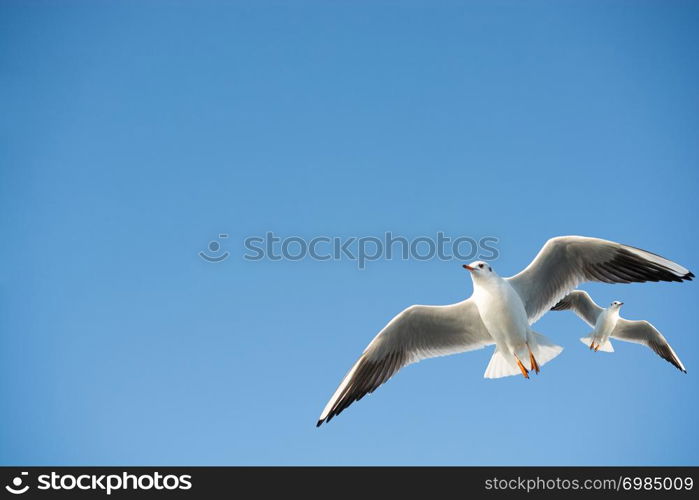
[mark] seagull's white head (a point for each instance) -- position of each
(480, 271)
(616, 304)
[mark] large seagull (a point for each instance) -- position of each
(500, 311)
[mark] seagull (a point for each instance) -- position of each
(608, 324)
(500, 311)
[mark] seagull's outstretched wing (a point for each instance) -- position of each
(582, 304)
(642, 332)
(417, 333)
(566, 261)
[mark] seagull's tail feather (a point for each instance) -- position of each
(587, 341)
(543, 349)
(605, 347)
(505, 364)
(501, 365)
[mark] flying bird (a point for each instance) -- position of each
(500, 311)
(608, 324)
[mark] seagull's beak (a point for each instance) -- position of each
(621, 304)
(466, 266)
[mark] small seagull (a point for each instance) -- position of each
(499, 312)
(608, 324)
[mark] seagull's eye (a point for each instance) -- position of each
(480, 265)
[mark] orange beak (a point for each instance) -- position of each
(466, 266)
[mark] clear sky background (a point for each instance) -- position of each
(133, 133)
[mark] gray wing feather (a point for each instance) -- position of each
(565, 262)
(417, 333)
(642, 332)
(582, 304)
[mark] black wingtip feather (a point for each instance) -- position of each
(626, 267)
(369, 375)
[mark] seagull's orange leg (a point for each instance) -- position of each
(597, 347)
(525, 372)
(592, 344)
(532, 361)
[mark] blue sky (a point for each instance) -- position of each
(133, 133)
